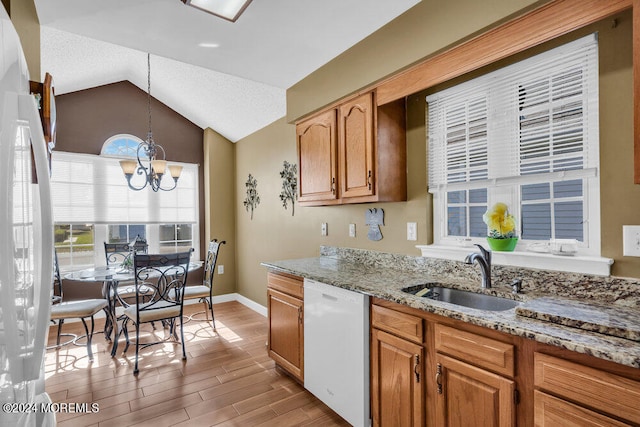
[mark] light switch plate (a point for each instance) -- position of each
(221, 269)
(631, 240)
(324, 229)
(352, 230)
(412, 231)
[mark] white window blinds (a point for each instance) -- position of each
(534, 120)
(526, 135)
(92, 189)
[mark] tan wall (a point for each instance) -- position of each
(25, 18)
(220, 212)
(274, 234)
(428, 27)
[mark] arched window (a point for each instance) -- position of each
(122, 145)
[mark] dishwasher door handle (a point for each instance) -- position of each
(329, 297)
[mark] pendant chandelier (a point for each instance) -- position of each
(150, 163)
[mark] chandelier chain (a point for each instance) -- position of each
(149, 89)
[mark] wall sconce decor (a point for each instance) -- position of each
(289, 193)
(252, 200)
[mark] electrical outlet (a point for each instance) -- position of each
(412, 231)
(352, 230)
(221, 269)
(324, 229)
(631, 240)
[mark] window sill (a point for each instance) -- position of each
(573, 264)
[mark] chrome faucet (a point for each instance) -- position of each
(484, 259)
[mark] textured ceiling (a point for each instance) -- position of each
(236, 88)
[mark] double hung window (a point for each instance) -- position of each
(526, 135)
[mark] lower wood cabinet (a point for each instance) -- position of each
(431, 370)
(551, 411)
(397, 381)
(610, 394)
(397, 368)
(471, 396)
(286, 323)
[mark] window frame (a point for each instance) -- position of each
(508, 187)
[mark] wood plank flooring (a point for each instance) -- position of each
(227, 379)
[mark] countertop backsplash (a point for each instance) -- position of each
(622, 292)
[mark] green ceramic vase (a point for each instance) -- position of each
(502, 245)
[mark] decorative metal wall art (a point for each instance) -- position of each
(252, 200)
(289, 193)
(374, 219)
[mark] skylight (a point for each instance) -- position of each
(227, 9)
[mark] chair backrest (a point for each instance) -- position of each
(160, 279)
(57, 280)
(116, 253)
(210, 262)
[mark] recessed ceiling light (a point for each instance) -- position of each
(203, 44)
(227, 9)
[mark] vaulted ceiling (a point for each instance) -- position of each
(231, 77)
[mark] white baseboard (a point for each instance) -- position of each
(260, 309)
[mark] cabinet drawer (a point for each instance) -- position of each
(551, 411)
(400, 324)
(288, 284)
(481, 351)
(591, 387)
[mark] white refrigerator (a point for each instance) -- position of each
(26, 242)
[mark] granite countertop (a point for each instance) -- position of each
(605, 331)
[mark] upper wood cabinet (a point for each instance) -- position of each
(353, 153)
(356, 148)
(317, 158)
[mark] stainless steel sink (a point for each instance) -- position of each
(463, 298)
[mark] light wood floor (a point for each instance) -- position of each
(227, 379)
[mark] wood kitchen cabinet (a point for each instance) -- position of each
(354, 152)
(286, 327)
(477, 376)
(397, 374)
(473, 379)
(579, 392)
(317, 158)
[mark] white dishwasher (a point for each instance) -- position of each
(336, 349)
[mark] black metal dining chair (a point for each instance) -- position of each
(117, 253)
(75, 309)
(204, 292)
(159, 286)
(120, 254)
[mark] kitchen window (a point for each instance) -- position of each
(74, 244)
(175, 237)
(125, 233)
(90, 189)
(526, 135)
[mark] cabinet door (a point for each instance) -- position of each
(356, 147)
(468, 395)
(316, 139)
(397, 381)
(286, 335)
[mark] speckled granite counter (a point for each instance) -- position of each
(384, 275)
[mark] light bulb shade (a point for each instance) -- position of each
(175, 171)
(128, 166)
(159, 166)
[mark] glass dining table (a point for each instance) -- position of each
(112, 276)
